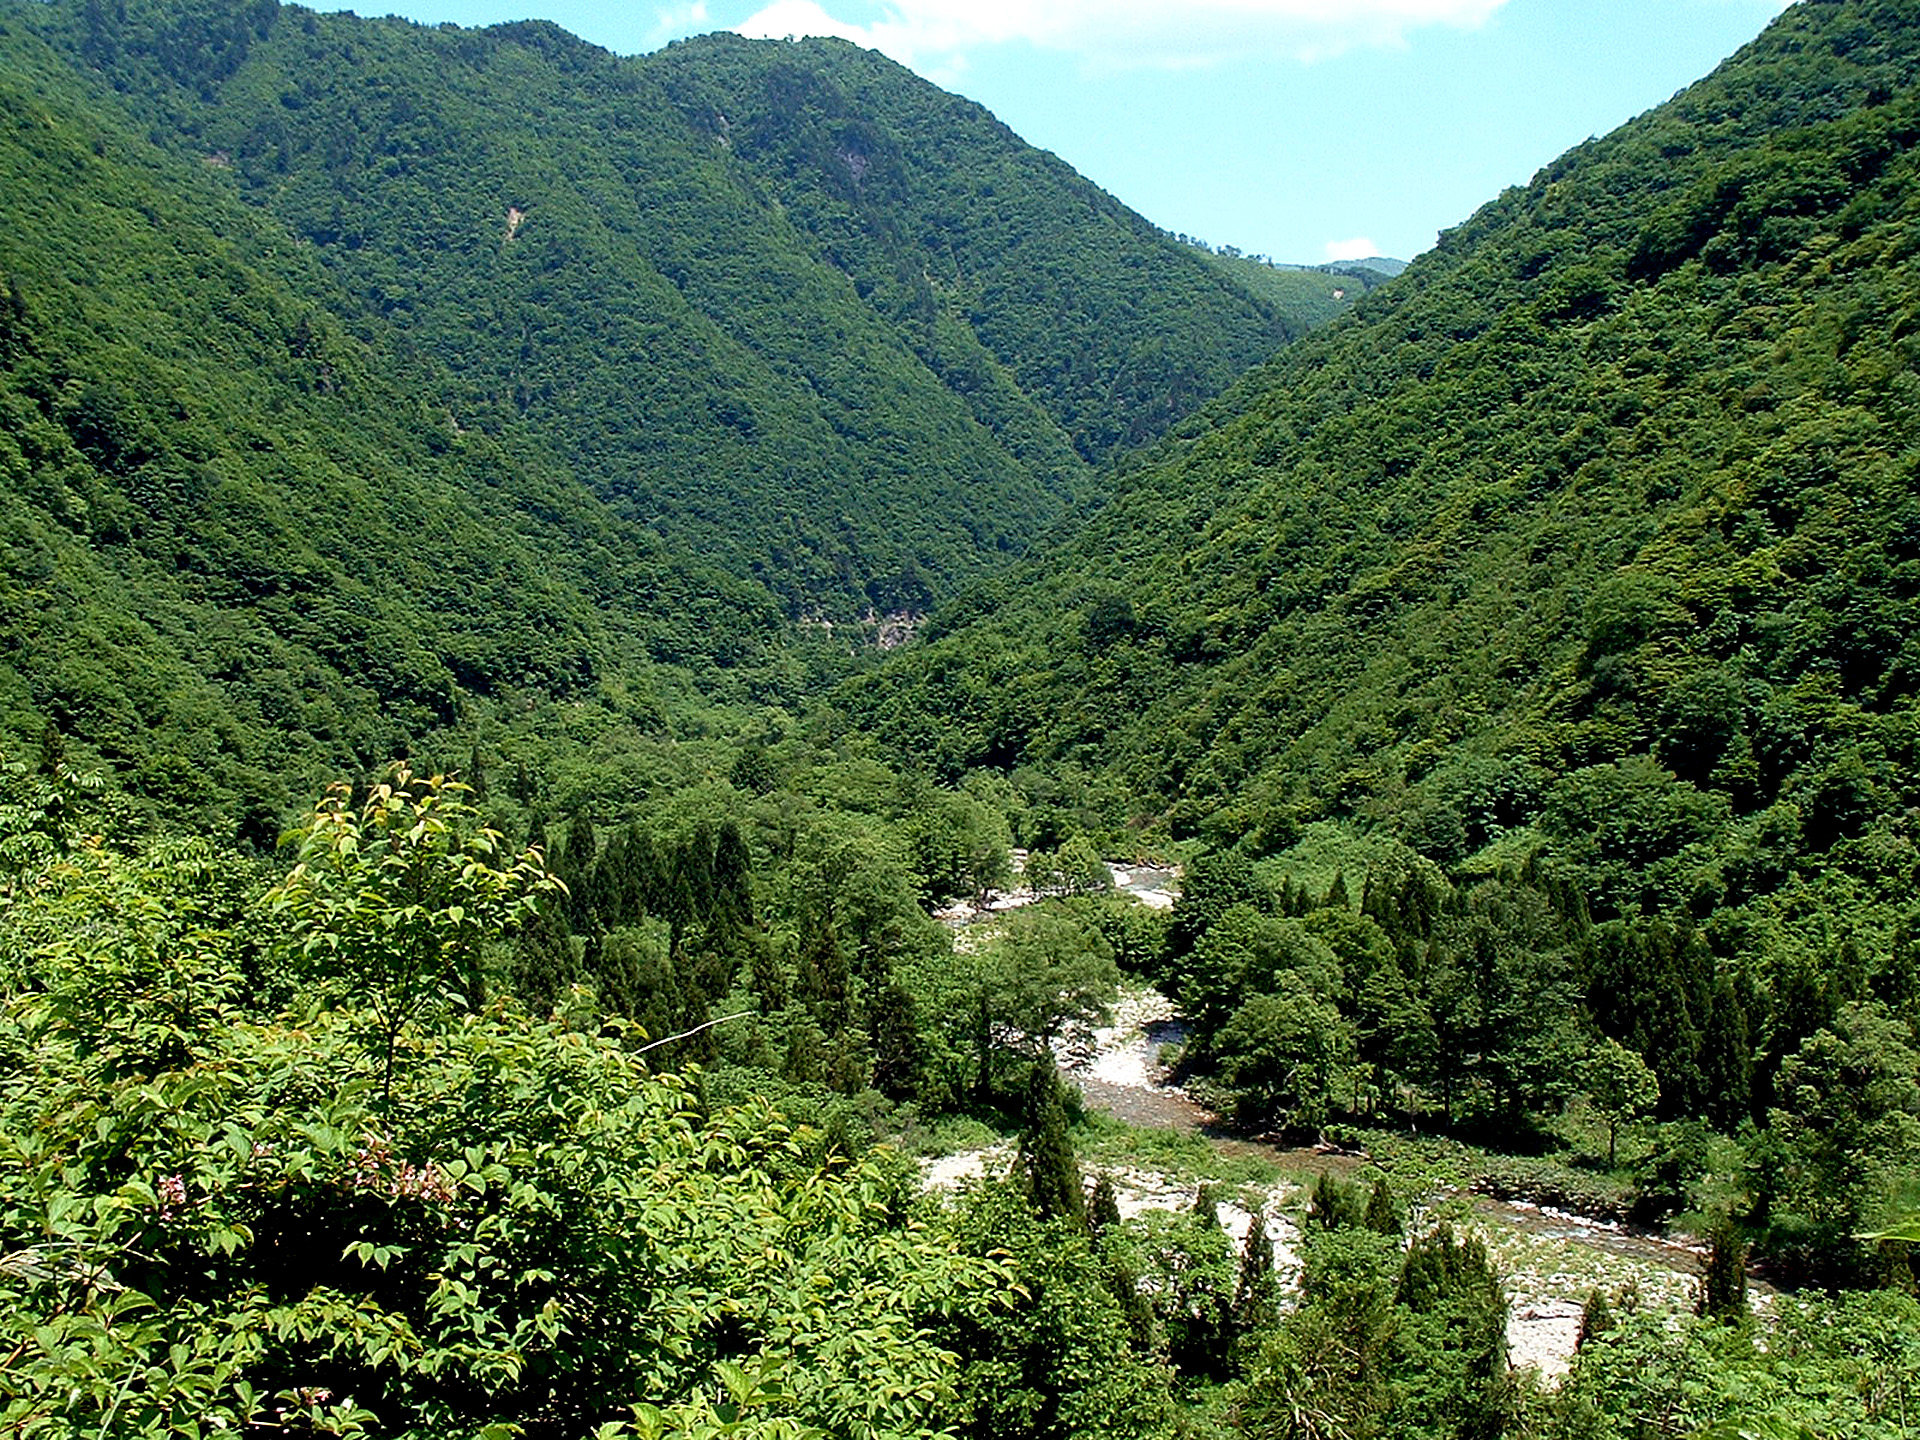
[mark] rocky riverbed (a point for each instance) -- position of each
(1552, 1259)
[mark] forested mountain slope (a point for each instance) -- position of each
(244, 547)
(368, 382)
(1521, 673)
(993, 259)
(787, 304)
(1598, 529)
(1320, 292)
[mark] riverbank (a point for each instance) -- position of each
(1553, 1257)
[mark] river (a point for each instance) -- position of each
(1552, 1258)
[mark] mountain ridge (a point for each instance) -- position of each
(777, 338)
(397, 324)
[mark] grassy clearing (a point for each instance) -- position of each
(1181, 1155)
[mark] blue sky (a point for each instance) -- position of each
(1304, 130)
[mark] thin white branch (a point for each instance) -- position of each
(669, 1039)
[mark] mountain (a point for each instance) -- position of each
(1525, 665)
(1521, 668)
(371, 382)
(1317, 292)
(1594, 532)
(991, 255)
(246, 546)
(785, 304)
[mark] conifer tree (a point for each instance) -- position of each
(893, 1027)
(806, 1053)
(732, 879)
(620, 980)
(574, 860)
(1103, 1210)
(1459, 1314)
(544, 963)
(1596, 1319)
(1337, 897)
(697, 857)
(1201, 1331)
(612, 883)
(53, 749)
(1206, 1205)
(1722, 1294)
(1390, 908)
(848, 1068)
(1046, 1164)
(822, 980)
(673, 900)
(633, 884)
(1726, 1057)
(1441, 1266)
(1142, 1328)
(1418, 907)
(1381, 1217)
(767, 974)
(707, 972)
(1334, 1205)
(1256, 1293)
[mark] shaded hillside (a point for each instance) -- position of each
(242, 547)
(858, 388)
(1597, 530)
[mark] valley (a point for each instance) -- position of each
(607, 662)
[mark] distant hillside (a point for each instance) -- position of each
(1596, 530)
(985, 251)
(788, 305)
(1376, 264)
(1317, 292)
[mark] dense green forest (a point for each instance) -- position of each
(472, 884)
(245, 548)
(286, 1151)
(788, 305)
(354, 399)
(1563, 596)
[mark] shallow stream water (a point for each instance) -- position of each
(1552, 1258)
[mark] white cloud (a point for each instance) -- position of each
(791, 19)
(1360, 247)
(672, 21)
(1160, 33)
